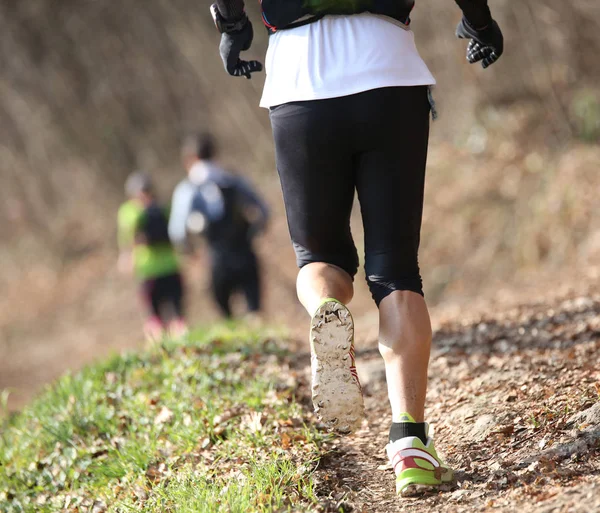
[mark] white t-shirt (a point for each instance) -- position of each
(339, 56)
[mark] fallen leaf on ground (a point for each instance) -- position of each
(165, 415)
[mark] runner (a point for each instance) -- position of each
(146, 250)
(229, 213)
(349, 99)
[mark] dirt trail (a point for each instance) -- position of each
(514, 400)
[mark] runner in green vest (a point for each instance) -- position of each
(146, 250)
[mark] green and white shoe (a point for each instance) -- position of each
(336, 391)
(418, 467)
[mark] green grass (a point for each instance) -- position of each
(209, 424)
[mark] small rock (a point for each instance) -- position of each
(483, 427)
(591, 416)
(459, 494)
(496, 465)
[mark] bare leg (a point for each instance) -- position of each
(318, 281)
(405, 344)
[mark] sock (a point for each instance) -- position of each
(403, 429)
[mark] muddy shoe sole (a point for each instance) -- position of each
(336, 392)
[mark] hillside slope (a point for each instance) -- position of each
(223, 422)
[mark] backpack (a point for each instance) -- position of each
(154, 225)
(225, 225)
(287, 14)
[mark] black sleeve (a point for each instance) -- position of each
(231, 9)
(476, 12)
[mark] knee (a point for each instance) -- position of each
(337, 280)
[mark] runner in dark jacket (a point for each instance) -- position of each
(229, 214)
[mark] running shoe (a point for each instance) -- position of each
(418, 467)
(153, 329)
(336, 391)
(178, 328)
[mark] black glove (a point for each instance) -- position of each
(487, 44)
(232, 44)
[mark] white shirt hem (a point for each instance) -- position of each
(317, 95)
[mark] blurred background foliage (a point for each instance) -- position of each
(93, 89)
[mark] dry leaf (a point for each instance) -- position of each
(286, 441)
(253, 421)
(155, 473)
(164, 416)
(99, 507)
(504, 430)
